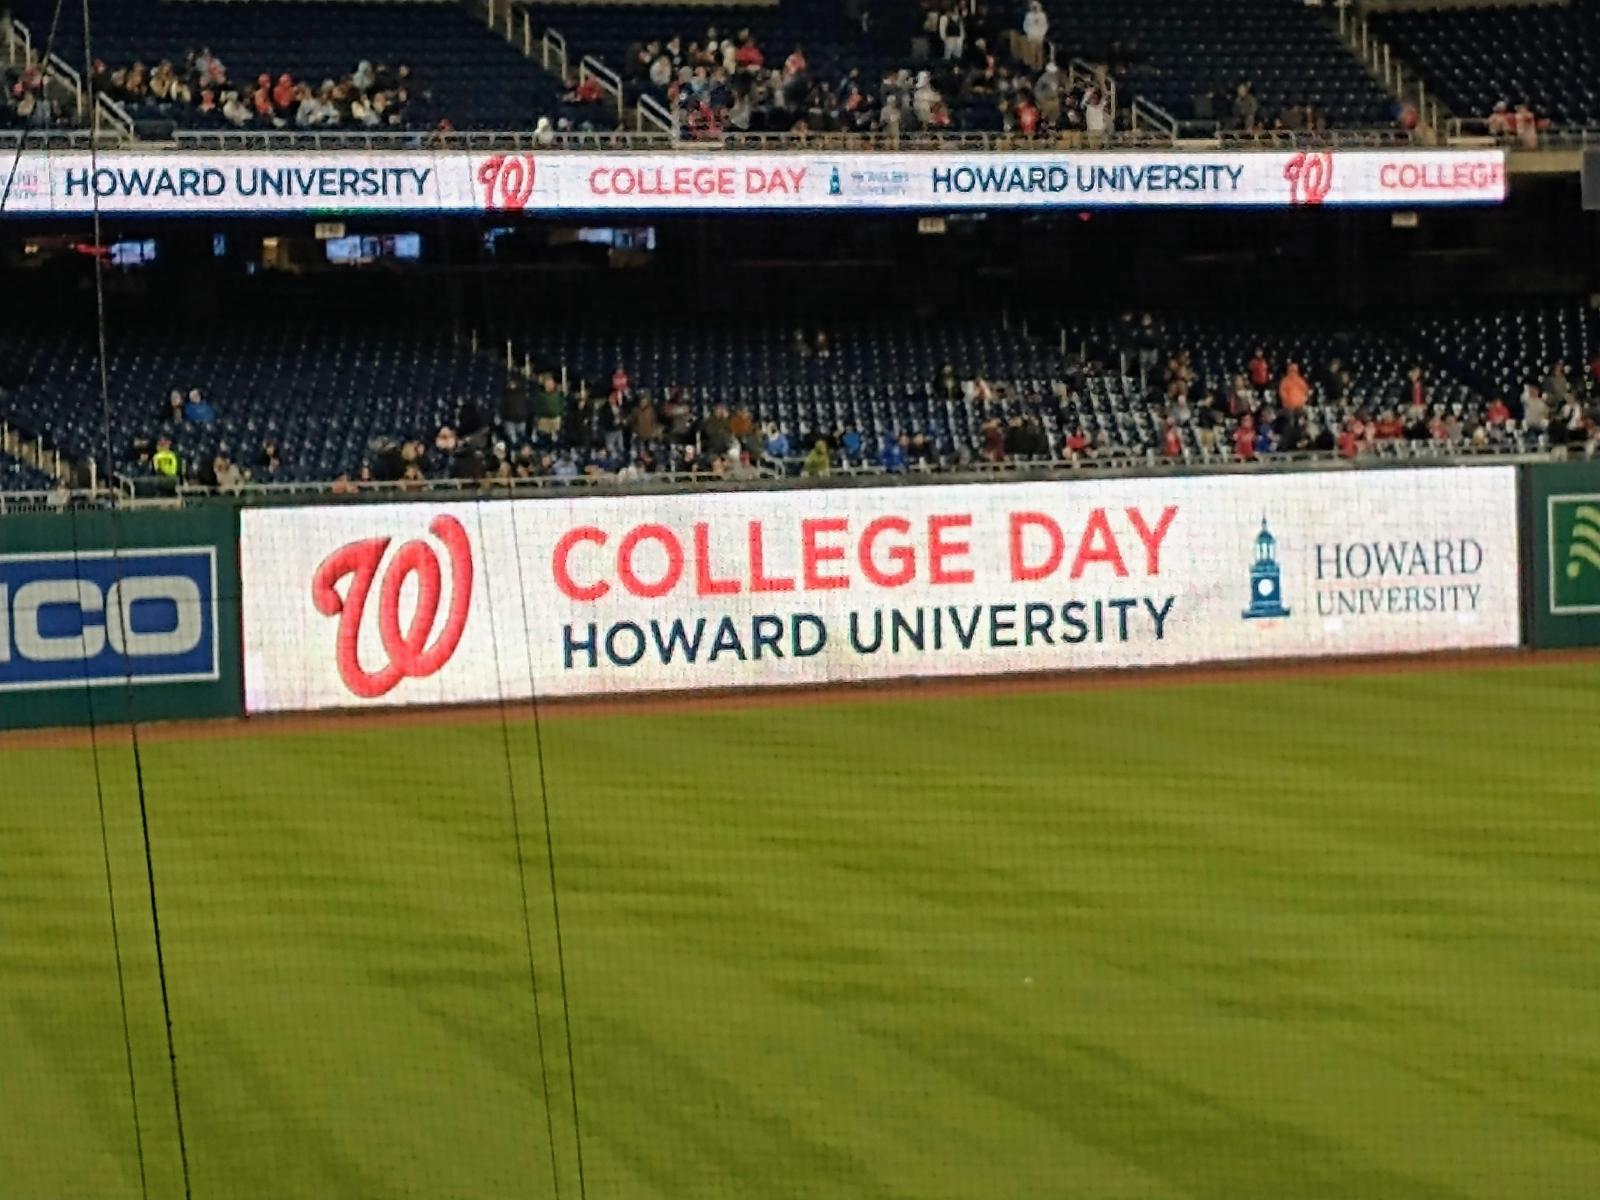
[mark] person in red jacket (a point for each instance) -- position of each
(1244, 437)
(1171, 443)
(1350, 439)
(1259, 370)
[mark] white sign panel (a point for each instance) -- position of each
(449, 181)
(419, 603)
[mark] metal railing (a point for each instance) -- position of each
(590, 67)
(109, 114)
(1112, 464)
(1474, 131)
(788, 475)
(650, 111)
(1377, 57)
(1151, 114)
(655, 139)
(553, 49)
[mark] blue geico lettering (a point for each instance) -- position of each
(139, 617)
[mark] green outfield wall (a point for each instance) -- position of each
(112, 616)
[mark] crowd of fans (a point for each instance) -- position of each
(1517, 126)
(202, 91)
(24, 99)
(613, 430)
(728, 82)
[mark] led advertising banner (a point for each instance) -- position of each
(419, 603)
(198, 184)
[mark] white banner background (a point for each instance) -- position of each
(1448, 540)
(198, 184)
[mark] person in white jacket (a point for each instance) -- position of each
(1035, 28)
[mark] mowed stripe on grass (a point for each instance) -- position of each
(1322, 938)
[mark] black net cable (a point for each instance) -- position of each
(89, 703)
(111, 896)
(550, 854)
(44, 70)
(544, 783)
(522, 878)
(122, 614)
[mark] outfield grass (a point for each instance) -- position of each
(1334, 938)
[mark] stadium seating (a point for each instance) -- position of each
(1180, 54)
(1500, 351)
(328, 394)
(473, 77)
(1545, 56)
(1188, 58)
(20, 477)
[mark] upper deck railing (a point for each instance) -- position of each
(656, 141)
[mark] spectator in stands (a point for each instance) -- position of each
(892, 457)
(1535, 411)
(716, 435)
(993, 440)
(269, 459)
(1035, 29)
(515, 410)
(1259, 371)
(208, 69)
(1047, 94)
(1293, 391)
(227, 473)
(1244, 438)
(548, 407)
(851, 443)
(1148, 341)
(777, 444)
(196, 411)
(1245, 107)
(283, 94)
(164, 462)
(1496, 414)
(1558, 384)
(1416, 422)
(234, 110)
(1527, 127)
(1171, 442)
(1388, 427)
(1096, 113)
(644, 422)
(1569, 427)
(1500, 124)
(613, 423)
(1349, 440)
(953, 33)
(817, 464)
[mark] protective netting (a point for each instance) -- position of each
(1296, 932)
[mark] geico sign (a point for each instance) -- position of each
(96, 619)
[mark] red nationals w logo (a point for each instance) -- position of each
(410, 656)
(1310, 177)
(507, 181)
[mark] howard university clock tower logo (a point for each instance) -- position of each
(1266, 584)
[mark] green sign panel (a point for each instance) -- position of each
(1574, 536)
(118, 616)
(1564, 548)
